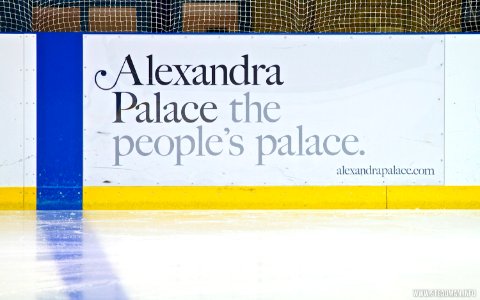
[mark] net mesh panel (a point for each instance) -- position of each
(15, 16)
(240, 16)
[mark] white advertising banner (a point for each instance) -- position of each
(251, 110)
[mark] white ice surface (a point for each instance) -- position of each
(237, 254)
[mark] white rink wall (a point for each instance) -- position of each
(462, 108)
(17, 110)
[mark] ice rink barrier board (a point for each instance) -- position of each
(17, 121)
(130, 121)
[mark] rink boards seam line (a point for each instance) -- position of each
(281, 197)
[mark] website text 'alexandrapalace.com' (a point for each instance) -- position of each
(379, 171)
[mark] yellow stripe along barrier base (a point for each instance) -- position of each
(433, 197)
(285, 197)
(282, 197)
(18, 198)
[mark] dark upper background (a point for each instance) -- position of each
(240, 16)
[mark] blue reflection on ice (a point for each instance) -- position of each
(81, 263)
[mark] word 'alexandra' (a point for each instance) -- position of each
(240, 74)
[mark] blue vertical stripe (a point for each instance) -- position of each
(59, 121)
